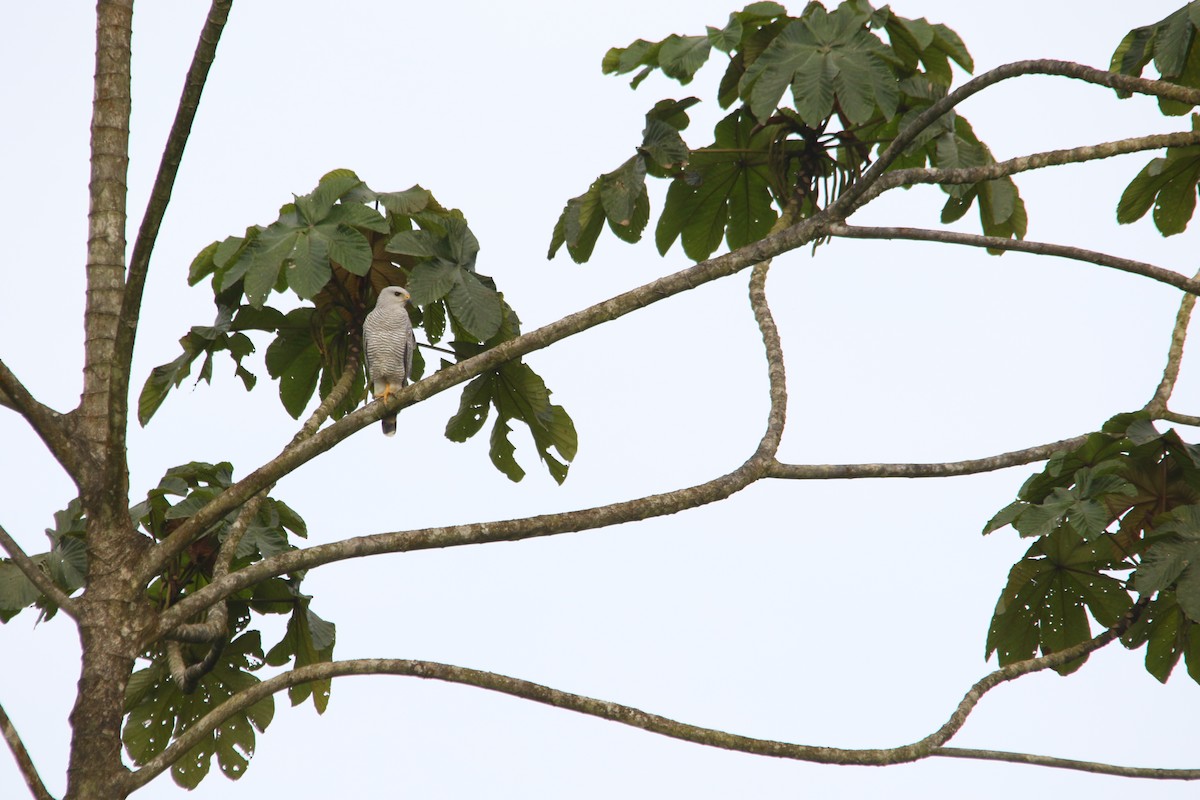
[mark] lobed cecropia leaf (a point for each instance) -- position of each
(1049, 592)
(158, 712)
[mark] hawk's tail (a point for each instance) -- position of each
(389, 425)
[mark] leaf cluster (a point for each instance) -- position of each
(158, 709)
(65, 564)
(813, 99)
(1117, 515)
(335, 249)
(1167, 184)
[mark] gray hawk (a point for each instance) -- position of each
(389, 344)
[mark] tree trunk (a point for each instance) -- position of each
(110, 614)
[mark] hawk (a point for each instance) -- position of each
(389, 344)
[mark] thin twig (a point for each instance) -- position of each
(626, 715)
(776, 375)
(932, 470)
(21, 756)
(35, 575)
(1013, 166)
(1158, 403)
(1094, 767)
(1169, 277)
(842, 207)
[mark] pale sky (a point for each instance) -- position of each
(850, 614)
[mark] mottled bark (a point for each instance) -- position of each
(106, 611)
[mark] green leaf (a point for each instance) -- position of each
(293, 359)
(502, 452)
(623, 198)
(475, 306)
(1048, 591)
(579, 225)
(309, 271)
(16, 591)
(523, 395)
(1174, 36)
(420, 243)
(727, 38)
(355, 215)
(1163, 646)
(824, 57)
(1081, 506)
(1005, 516)
(472, 409)
(680, 56)
(431, 281)
(406, 203)
(264, 257)
(724, 194)
(434, 314)
(662, 144)
(157, 712)
(1166, 184)
(308, 640)
(1133, 54)
(348, 248)
(204, 264)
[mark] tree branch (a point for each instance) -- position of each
(215, 628)
(47, 423)
(21, 756)
(35, 575)
(1189, 285)
(1013, 166)
(516, 530)
(597, 517)
(294, 456)
(627, 715)
(1182, 419)
(941, 470)
(1094, 767)
(1158, 403)
(164, 182)
(842, 207)
(776, 374)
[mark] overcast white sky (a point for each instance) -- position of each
(839, 613)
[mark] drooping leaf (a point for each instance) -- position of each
(1168, 185)
(725, 193)
(308, 640)
(157, 712)
(475, 306)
